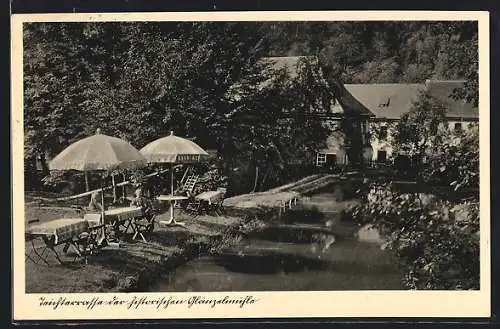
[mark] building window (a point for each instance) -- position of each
(457, 127)
(383, 132)
(320, 159)
(331, 159)
(381, 156)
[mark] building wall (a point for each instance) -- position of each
(340, 141)
(372, 132)
(335, 144)
(379, 141)
(463, 124)
(386, 144)
(378, 146)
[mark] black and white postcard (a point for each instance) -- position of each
(250, 165)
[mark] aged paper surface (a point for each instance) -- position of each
(247, 304)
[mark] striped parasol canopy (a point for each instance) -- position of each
(174, 149)
(98, 152)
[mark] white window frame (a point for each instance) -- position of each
(320, 159)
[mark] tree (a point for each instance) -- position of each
(204, 80)
(53, 75)
(467, 56)
(415, 50)
(455, 160)
(436, 241)
(419, 128)
(441, 156)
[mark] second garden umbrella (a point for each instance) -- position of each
(173, 149)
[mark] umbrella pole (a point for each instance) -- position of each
(86, 181)
(124, 187)
(172, 192)
(102, 196)
(114, 187)
(172, 221)
(105, 238)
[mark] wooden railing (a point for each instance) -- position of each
(81, 195)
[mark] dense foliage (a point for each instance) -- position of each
(436, 241)
(207, 81)
(379, 52)
(138, 81)
(455, 160)
(441, 155)
(421, 127)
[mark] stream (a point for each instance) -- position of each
(310, 249)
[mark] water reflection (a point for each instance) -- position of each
(269, 263)
(301, 252)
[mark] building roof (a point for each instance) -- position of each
(385, 100)
(348, 101)
(391, 100)
(443, 90)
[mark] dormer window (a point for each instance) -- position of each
(386, 103)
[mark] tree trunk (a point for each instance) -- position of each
(114, 187)
(264, 178)
(43, 162)
(256, 179)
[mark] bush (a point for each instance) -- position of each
(210, 180)
(436, 241)
(65, 182)
(455, 161)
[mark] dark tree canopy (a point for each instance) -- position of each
(205, 81)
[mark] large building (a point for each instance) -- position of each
(369, 112)
(388, 102)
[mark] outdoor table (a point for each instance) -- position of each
(123, 216)
(210, 196)
(57, 232)
(118, 217)
(210, 201)
(172, 199)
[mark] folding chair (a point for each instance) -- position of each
(97, 230)
(31, 238)
(88, 243)
(49, 246)
(194, 207)
(217, 205)
(146, 223)
(198, 207)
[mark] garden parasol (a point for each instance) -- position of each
(173, 149)
(98, 153)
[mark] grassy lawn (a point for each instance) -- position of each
(132, 266)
